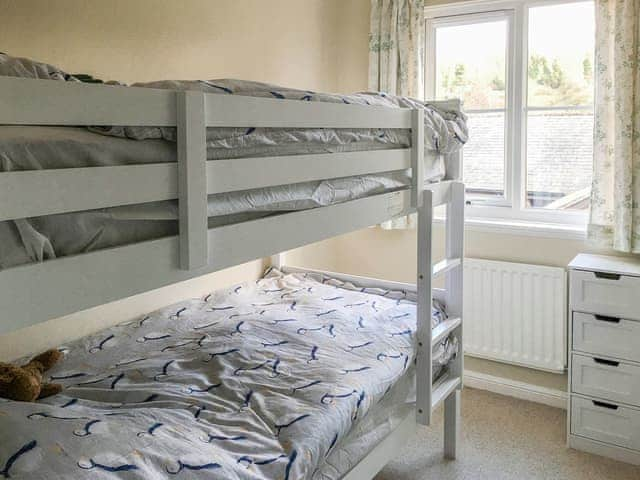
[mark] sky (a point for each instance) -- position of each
(562, 30)
(565, 32)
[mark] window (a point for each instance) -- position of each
(524, 70)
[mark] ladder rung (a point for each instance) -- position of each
(443, 390)
(444, 329)
(445, 265)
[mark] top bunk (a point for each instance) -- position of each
(188, 114)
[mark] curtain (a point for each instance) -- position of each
(615, 198)
(396, 57)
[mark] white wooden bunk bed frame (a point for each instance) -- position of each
(34, 293)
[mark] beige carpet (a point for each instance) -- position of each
(503, 439)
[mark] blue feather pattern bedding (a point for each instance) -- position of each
(259, 381)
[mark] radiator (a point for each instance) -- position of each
(516, 313)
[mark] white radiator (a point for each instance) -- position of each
(516, 313)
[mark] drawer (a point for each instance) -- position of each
(605, 422)
(597, 377)
(608, 336)
(606, 294)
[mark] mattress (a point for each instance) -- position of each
(29, 148)
(259, 381)
(40, 238)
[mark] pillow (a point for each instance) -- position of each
(26, 68)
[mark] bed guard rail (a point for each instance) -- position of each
(44, 102)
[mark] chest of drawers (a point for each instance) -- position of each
(604, 356)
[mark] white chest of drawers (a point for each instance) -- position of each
(604, 356)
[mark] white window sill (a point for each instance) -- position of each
(524, 228)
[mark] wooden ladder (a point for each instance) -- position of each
(447, 388)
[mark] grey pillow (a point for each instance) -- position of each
(26, 68)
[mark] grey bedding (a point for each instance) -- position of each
(25, 148)
(39, 238)
(286, 378)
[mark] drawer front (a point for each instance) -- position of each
(606, 294)
(611, 337)
(609, 380)
(605, 422)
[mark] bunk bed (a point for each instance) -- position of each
(31, 293)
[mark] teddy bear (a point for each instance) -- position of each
(24, 384)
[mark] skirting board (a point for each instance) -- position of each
(513, 388)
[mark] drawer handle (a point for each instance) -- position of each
(607, 276)
(605, 405)
(604, 361)
(605, 318)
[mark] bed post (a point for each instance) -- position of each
(454, 298)
(422, 200)
(417, 157)
(454, 160)
(278, 260)
(452, 425)
(192, 179)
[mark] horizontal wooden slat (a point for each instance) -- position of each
(390, 447)
(443, 388)
(238, 111)
(34, 293)
(247, 173)
(439, 294)
(44, 192)
(355, 279)
(444, 266)
(49, 102)
(444, 329)
(441, 192)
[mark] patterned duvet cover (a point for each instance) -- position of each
(259, 381)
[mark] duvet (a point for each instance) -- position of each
(260, 381)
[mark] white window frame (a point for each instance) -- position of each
(511, 210)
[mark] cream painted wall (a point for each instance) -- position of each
(57, 331)
(352, 62)
(291, 42)
(391, 254)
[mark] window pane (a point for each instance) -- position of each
(483, 156)
(561, 47)
(560, 115)
(559, 159)
(470, 63)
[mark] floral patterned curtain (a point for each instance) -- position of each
(396, 57)
(615, 197)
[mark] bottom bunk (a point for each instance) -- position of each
(293, 377)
